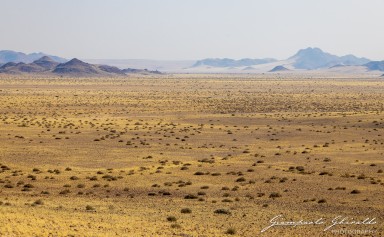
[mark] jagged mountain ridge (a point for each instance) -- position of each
(75, 68)
(315, 58)
(304, 59)
(17, 57)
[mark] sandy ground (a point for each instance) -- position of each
(191, 155)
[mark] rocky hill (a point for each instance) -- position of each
(73, 68)
(279, 69)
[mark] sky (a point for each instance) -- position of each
(192, 29)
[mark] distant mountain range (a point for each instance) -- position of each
(315, 58)
(227, 62)
(375, 65)
(7, 56)
(308, 59)
(73, 68)
(304, 59)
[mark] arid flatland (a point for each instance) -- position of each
(189, 155)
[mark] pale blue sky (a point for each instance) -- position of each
(192, 29)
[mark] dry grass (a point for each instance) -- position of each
(117, 157)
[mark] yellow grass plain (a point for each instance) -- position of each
(189, 155)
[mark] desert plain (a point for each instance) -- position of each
(191, 155)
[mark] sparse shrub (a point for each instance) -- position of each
(222, 211)
(8, 186)
(171, 219)
(28, 186)
(89, 208)
(186, 211)
(38, 202)
(355, 191)
(322, 201)
(230, 231)
(274, 195)
(64, 192)
(362, 176)
(190, 196)
(227, 200)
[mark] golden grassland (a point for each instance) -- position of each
(189, 155)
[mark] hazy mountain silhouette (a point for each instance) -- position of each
(315, 58)
(375, 65)
(227, 62)
(279, 69)
(73, 68)
(12, 56)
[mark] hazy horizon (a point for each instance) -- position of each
(192, 30)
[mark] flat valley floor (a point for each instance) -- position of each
(191, 155)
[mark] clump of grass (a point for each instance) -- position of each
(230, 231)
(186, 211)
(199, 173)
(222, 211)
(322, 201)
(274, 195)
(89, 208)
(38, 202)
(8, 186)
(64, 192)
(175, 226)
(171, 218)
(227, 200)
(190, 196)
